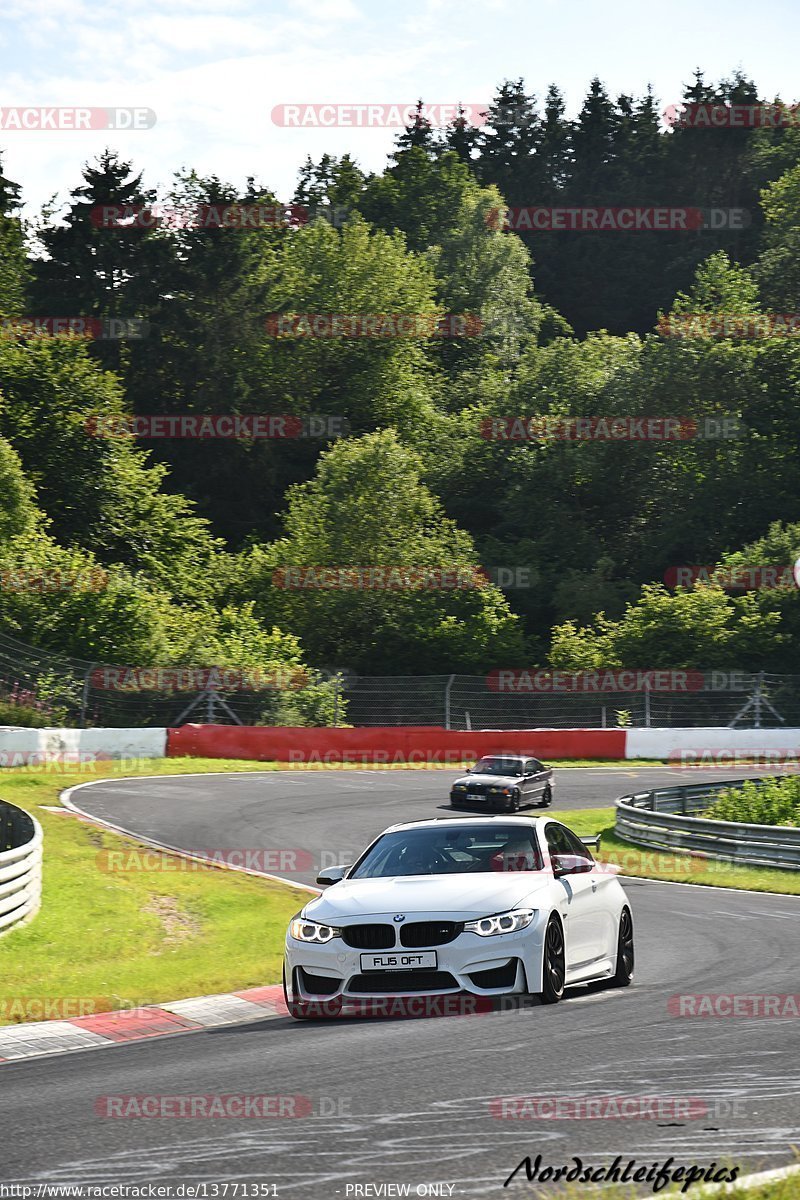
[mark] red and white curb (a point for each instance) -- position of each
(37, 1038)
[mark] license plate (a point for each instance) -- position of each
(475, 796)
(399, 960)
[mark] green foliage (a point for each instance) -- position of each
(690, 628)
(18, 512)
(14, 269)
(367, 507)
(26, 715)
(98, 492)
(775, 802)
(191, 532)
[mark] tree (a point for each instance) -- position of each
(98, 491)
(462, 137)
(96, 271)
(14, 269)
(367, 507)
(418, 134)
(335, 183)
(18, 512)
(778, 268)
(695, 629)
(594, 139)
(509, 142)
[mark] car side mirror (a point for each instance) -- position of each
(559, 864)
(569, 864)
(331, 875)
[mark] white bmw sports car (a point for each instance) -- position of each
(491, 906)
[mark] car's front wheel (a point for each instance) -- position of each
(554, 962)
(625, 954)
(547, 797)
(309, 1010)
(512, 804)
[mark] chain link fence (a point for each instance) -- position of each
(741, 699)
(41, 687)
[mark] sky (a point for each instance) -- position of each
(213, 71)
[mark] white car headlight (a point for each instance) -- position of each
(508, 922)
(310, 931)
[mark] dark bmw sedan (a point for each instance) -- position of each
(505, 782)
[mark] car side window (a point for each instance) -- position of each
(556, 842)
(536, 766)
(576, 846)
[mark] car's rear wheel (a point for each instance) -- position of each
(310, 1010)
(625, 953)
(547, 797)
(554, 964)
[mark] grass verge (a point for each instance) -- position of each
(123, 939)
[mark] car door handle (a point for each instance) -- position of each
(594, 885)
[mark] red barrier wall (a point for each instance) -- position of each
(413, 744)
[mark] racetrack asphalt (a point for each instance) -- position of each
(318, 818)
(409, 1101)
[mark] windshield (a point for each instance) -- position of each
(455, 850)
(498, 766)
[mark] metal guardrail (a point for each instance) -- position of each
(663, 818)
(20, 866)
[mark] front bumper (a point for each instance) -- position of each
(503, 964)
(480, 799)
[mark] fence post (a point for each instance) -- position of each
(85, 696)
(447, 702)
(335, 701)
(647, 703)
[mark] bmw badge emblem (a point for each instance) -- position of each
(400, 917)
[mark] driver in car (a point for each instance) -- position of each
(516, 855)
